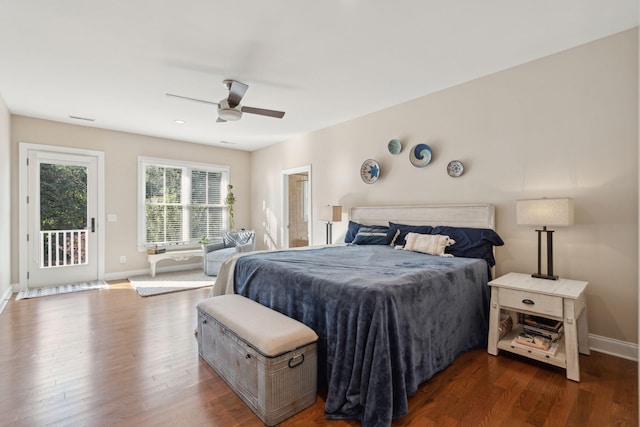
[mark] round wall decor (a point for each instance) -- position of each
(370, 171)
(394, 146)
(455, 168)
(420, 155)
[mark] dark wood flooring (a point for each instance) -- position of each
(110, 357)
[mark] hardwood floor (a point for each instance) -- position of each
(110, 357)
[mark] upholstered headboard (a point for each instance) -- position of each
(463, 215)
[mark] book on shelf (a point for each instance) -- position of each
(533, 341)
(551, 350)
(553, 336)
(544, 323)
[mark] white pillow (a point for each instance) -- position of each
(432, 244)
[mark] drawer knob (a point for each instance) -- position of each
(528, 301)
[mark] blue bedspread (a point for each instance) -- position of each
(387, 319)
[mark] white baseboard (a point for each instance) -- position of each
(6, 296)
(121, 275)
(623, 349)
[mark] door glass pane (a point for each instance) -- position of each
(63, 215)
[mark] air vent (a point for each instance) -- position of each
(86, 119)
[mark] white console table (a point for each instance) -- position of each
(174, 255)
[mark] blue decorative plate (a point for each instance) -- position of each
(420, 155)
(455, 168)
(370, 171)
(394, 146)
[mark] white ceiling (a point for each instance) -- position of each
(323, 62)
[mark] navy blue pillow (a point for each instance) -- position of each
(471, 242)
(373, 236)
(406, 229)
(352, 230)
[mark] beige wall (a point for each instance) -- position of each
(5, 194)
(121, 168)
(562, 126)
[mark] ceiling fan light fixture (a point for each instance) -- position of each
(229, 108)
(229, 114)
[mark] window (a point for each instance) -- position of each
(181, 202)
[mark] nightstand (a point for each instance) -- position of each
(560, 299)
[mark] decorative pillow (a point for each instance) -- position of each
(405, 229)
(428, 243)
(471, 242)
(239, 237)
(352, 230)
(373, 236)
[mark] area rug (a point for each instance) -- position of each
(175, 281)
(61, 289)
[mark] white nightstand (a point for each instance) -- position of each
(560, 299)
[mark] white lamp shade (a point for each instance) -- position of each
(557, 212)
(330, 213)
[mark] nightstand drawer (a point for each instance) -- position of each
(532, 302)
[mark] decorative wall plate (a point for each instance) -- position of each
(370, 171)
(420, 155)
(455, 168)
(394, 146)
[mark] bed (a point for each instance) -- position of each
(387, 319)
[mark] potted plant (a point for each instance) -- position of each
(229, 201)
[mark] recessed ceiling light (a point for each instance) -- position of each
(180, 122)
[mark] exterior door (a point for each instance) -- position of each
(62, 218)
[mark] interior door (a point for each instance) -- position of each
(296, 207)
(298, 210)
(62, 216)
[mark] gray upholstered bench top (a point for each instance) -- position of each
(269, 332)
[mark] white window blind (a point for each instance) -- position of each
(182, 202)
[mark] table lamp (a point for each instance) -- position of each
(330, 214)
(545, 212)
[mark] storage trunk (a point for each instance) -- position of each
(274, 387)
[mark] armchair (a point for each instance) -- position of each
(232, 242)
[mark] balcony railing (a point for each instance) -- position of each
(63, 248)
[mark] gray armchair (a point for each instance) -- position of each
(232, 242)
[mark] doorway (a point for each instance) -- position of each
(296, 208)
(62, 244)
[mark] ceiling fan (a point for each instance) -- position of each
(229, 108)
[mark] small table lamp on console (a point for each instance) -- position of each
(330, 214)
(545, 212)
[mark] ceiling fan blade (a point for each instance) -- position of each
(192, 99)
(263, 112)
(236, 92)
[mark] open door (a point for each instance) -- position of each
(296, 206)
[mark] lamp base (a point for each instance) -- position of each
(544, 276)
(329, 237)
